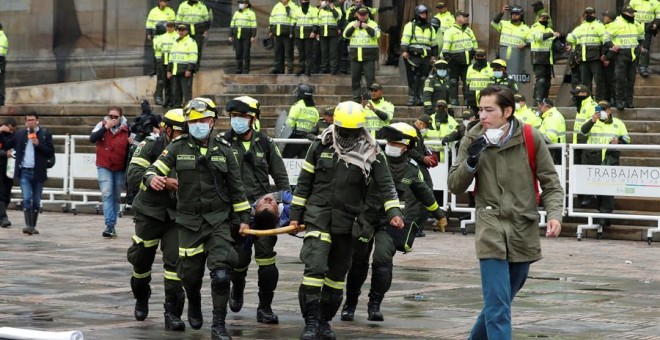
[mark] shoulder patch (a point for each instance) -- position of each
(142, 143)
(412, 161)
(164, 153)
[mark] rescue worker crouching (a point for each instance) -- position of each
(210, 191)
(373, 224)
(329, 196)
(155, 215)
(258, 157)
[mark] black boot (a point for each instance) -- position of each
(374, 307)
(330, 303)
(264, 311)
(237, 288)
(348, 312)
(28, 222)
(218, 328)
(195, 318)
(4, 220)
(141, 292)
(310, 299)
(172, 315)
(35, 216)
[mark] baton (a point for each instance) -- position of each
(271, 232)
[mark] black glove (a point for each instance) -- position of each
(445, 141)
(475, 149)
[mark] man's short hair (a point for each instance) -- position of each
(265, 219)
(9, 121)
(32, 113)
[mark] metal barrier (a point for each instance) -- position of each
(632, 181)
(60, 171)
(453, 206)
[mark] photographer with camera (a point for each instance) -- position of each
(378, 110)
(112, 139)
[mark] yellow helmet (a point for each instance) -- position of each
(199, 108)
(244, 104)
(173, 118)
(350, 115)
(498, 62)
(441, 63)
(400, 133)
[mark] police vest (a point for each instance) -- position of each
(440, 131)
(554, 126)
(446, 20)
(157, 15)
(4, 44)
(192, 14)
(302, 118)
(646, 10)
(626, 35)
(305, 22)
(590, 36)
(587, 109)
(243, 20)
(328, 21)
(602, 133)
(527, 116)
(374, 123)
(478, 80)
(360, 38)
(279, 17)
(458, 40)
(417, 39)
(184, 52)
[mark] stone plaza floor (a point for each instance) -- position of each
(69, 277)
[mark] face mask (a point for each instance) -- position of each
(590, 18)
(493, 136)
(466, 123)
(423, 131)
(603, 115)
(578, 100)
(393, 151)
(628, 18)
(517, 106)
(543, 23)
(480, 63)
(199, 130)
(324, 3)
(441, 73)
(240, 125)
(498, 74)
(241, 6)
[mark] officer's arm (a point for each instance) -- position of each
(253, 25)
(348, 30)
(304, 184)
(624, 138)
(162, 166)
(426, 95)
(405, 37)
(277, 170)
(373, 31)
(586, 127)
(446, 45)
(496, 23)
(386, 113)
(381, 174)
(416, 155)
(424, 194)
(138, 165)
(193, 58)
(456, 134)
(292, 118)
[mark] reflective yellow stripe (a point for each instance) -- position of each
(164, 169)
(433, 207)
(191, 251)
(141, 276)
(310, 281)
(265, 262)
(140, 161)
(147, 243)
(392, 204)
(241, 206)
(241, 270)
(171, 276)
(334, 284)
(320, 235)
(309, 167)
(297, 200)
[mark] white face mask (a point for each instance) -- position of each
(493, 136)
(466, 123)
(241, 6)
(517, 106)
(323, 3)
(603, 115)
(423, 131)
(393, 151)
(441, 73)
(498, 74)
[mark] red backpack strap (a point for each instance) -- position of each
(528, 139)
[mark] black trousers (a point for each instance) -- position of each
(543, 74)
(625, 73)
(283, 52)
(456, 72)
(590, 70)
(305, 54)
(181, 89)
(242, 49)
(366, 67)
(329, 54)
(609, 80)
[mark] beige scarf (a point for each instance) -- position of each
(361, 155)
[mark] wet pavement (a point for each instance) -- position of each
(69, 277)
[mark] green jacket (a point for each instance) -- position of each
(160, 205)
(330, 193)
(256, 164)
(210, 185)
(507, 220)
(407, 176)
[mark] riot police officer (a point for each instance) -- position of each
(418, 48)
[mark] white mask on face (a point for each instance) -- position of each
(493, 136)
(466, 123)
(323, 3)
(441, 73)
(603, 115)
(423, 131)
(517, 106)
(393, 151)
(241, 6)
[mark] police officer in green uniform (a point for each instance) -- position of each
(155, 213)
(603, 128)
(436, 86)
(500, 77)
(210, 191)
(258, 157)
(373, 223)
(329, 197)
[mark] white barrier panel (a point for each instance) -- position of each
(612, 181)
(293, 167)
